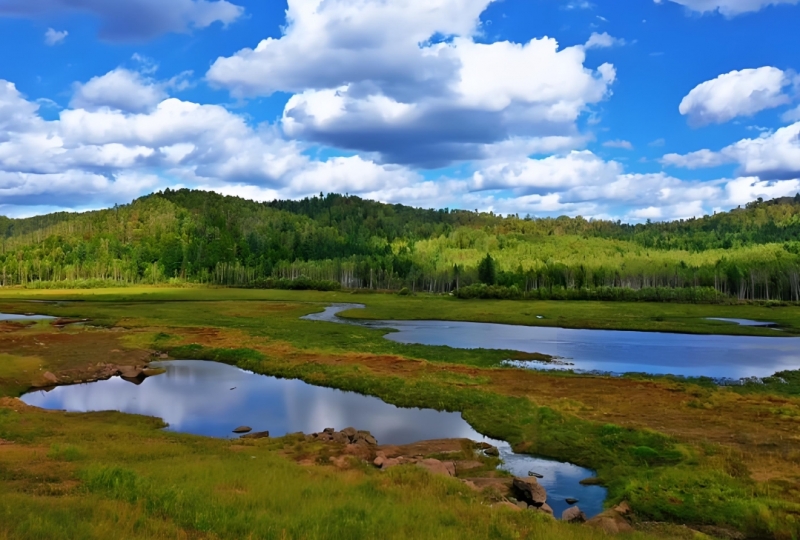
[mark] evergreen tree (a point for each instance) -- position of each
(487, 271)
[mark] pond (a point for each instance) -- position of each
(27, 317)
(609, 351)
(207, 398)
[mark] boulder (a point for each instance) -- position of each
(370, 440)
(340, 437)
(611, 522)
(573, 515)
(324, 437)
(492, 451)
(379, 461)
(256, 435)
(243, 429)
(531, 490)
(49, 377)
(434, 466)
(522, 505)
(535, 474)
(390, 462)
(130, 372)
(623, 508)
(329, 430)
(571, 500)
(350, 432)
(545, 508)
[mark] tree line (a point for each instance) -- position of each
(195, 236)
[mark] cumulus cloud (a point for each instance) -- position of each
(738, 93)
(98, 153)
(369, 76)
(119, 89)
(132, 19)
(55, 37)
(770, 156)
(602, 41)
(729, 8)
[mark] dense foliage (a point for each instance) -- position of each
(196, 236)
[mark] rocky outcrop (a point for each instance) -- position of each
(256, 435)
(97, 372)
(610, 521)
(348, 436)
(243, 429)
(434, 466)
(573, 515)
(530, 491)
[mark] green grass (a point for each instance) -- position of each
(162, 477)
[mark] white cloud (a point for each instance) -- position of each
(770, 156)
(738, 93)
(131, 19)
(602, 41)
(55, 37)
(119, 89)
(100, 155)
(525, 176)
(792, 115)
(729, 8)
(366, 77)
(619, 143)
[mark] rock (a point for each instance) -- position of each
(546, 509)
(571, 500)
(573, 515)
(329, 430)
(509, 505)
(379, 461)
(434, 466)
(243, 429)
(522, 505)
(324, 437)
(611, 522)
(340, 437)
(535, 474)
(371, 440)
(163, 356)
(531, 490)
(256, 435)
(623, 508)
(350, 432)
(49, 377)
(483, 446)
(130, 372)
(390, 462)
(492, 451)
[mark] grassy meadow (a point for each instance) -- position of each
(720, 460)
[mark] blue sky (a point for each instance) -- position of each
(627, 110)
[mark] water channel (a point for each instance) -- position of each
(207, 398)
(608, 351)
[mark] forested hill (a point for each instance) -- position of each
(189, 235)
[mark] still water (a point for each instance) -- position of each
(207, 398)
(719, 357)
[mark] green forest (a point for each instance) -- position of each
(186, 236)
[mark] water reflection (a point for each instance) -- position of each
(206, 398)
(721, 357)
(29, 317)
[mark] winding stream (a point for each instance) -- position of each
(612, 351)
(211, 399)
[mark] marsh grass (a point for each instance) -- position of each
(123, 465)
